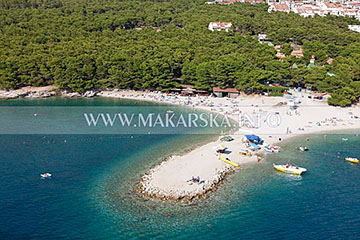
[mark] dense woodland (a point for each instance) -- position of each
(140, 44)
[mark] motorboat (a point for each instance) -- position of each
(45, 175)
(352, 160)
(303, 149)
(275, 149)
(344, 139)
(289, 168)
(270, 148)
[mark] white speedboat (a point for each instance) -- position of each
(275, 148)
(288, 168)
(303, 149)
(45, 175)
(268, 149)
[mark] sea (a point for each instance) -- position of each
(91, 194)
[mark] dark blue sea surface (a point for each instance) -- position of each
(91, 194)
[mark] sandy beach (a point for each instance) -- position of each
(174, 177)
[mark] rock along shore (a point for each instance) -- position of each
(42, 92)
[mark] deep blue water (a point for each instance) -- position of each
(91, 196)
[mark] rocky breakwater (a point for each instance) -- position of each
(186, 191)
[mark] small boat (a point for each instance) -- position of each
(352, 160)
(275, 149)
(228, 161)
(303, 149)
(344, 139)
(288, 168)
(270, 148)
(170, 111)
(45, 175)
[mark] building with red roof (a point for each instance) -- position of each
(218, 26)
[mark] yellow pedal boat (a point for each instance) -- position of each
(352, 160)
(289, 169)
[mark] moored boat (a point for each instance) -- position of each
(288, 168)
(303, 149)
(352, 160)
(268, 149)
(275, 148)
(271, 148)
(45, 175)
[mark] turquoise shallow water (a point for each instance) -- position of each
(91, 193)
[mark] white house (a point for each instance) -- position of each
(218, 26)
(355, 28)
(262, 37)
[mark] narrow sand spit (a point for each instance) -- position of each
(172, 179)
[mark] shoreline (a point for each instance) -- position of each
(171, 178)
